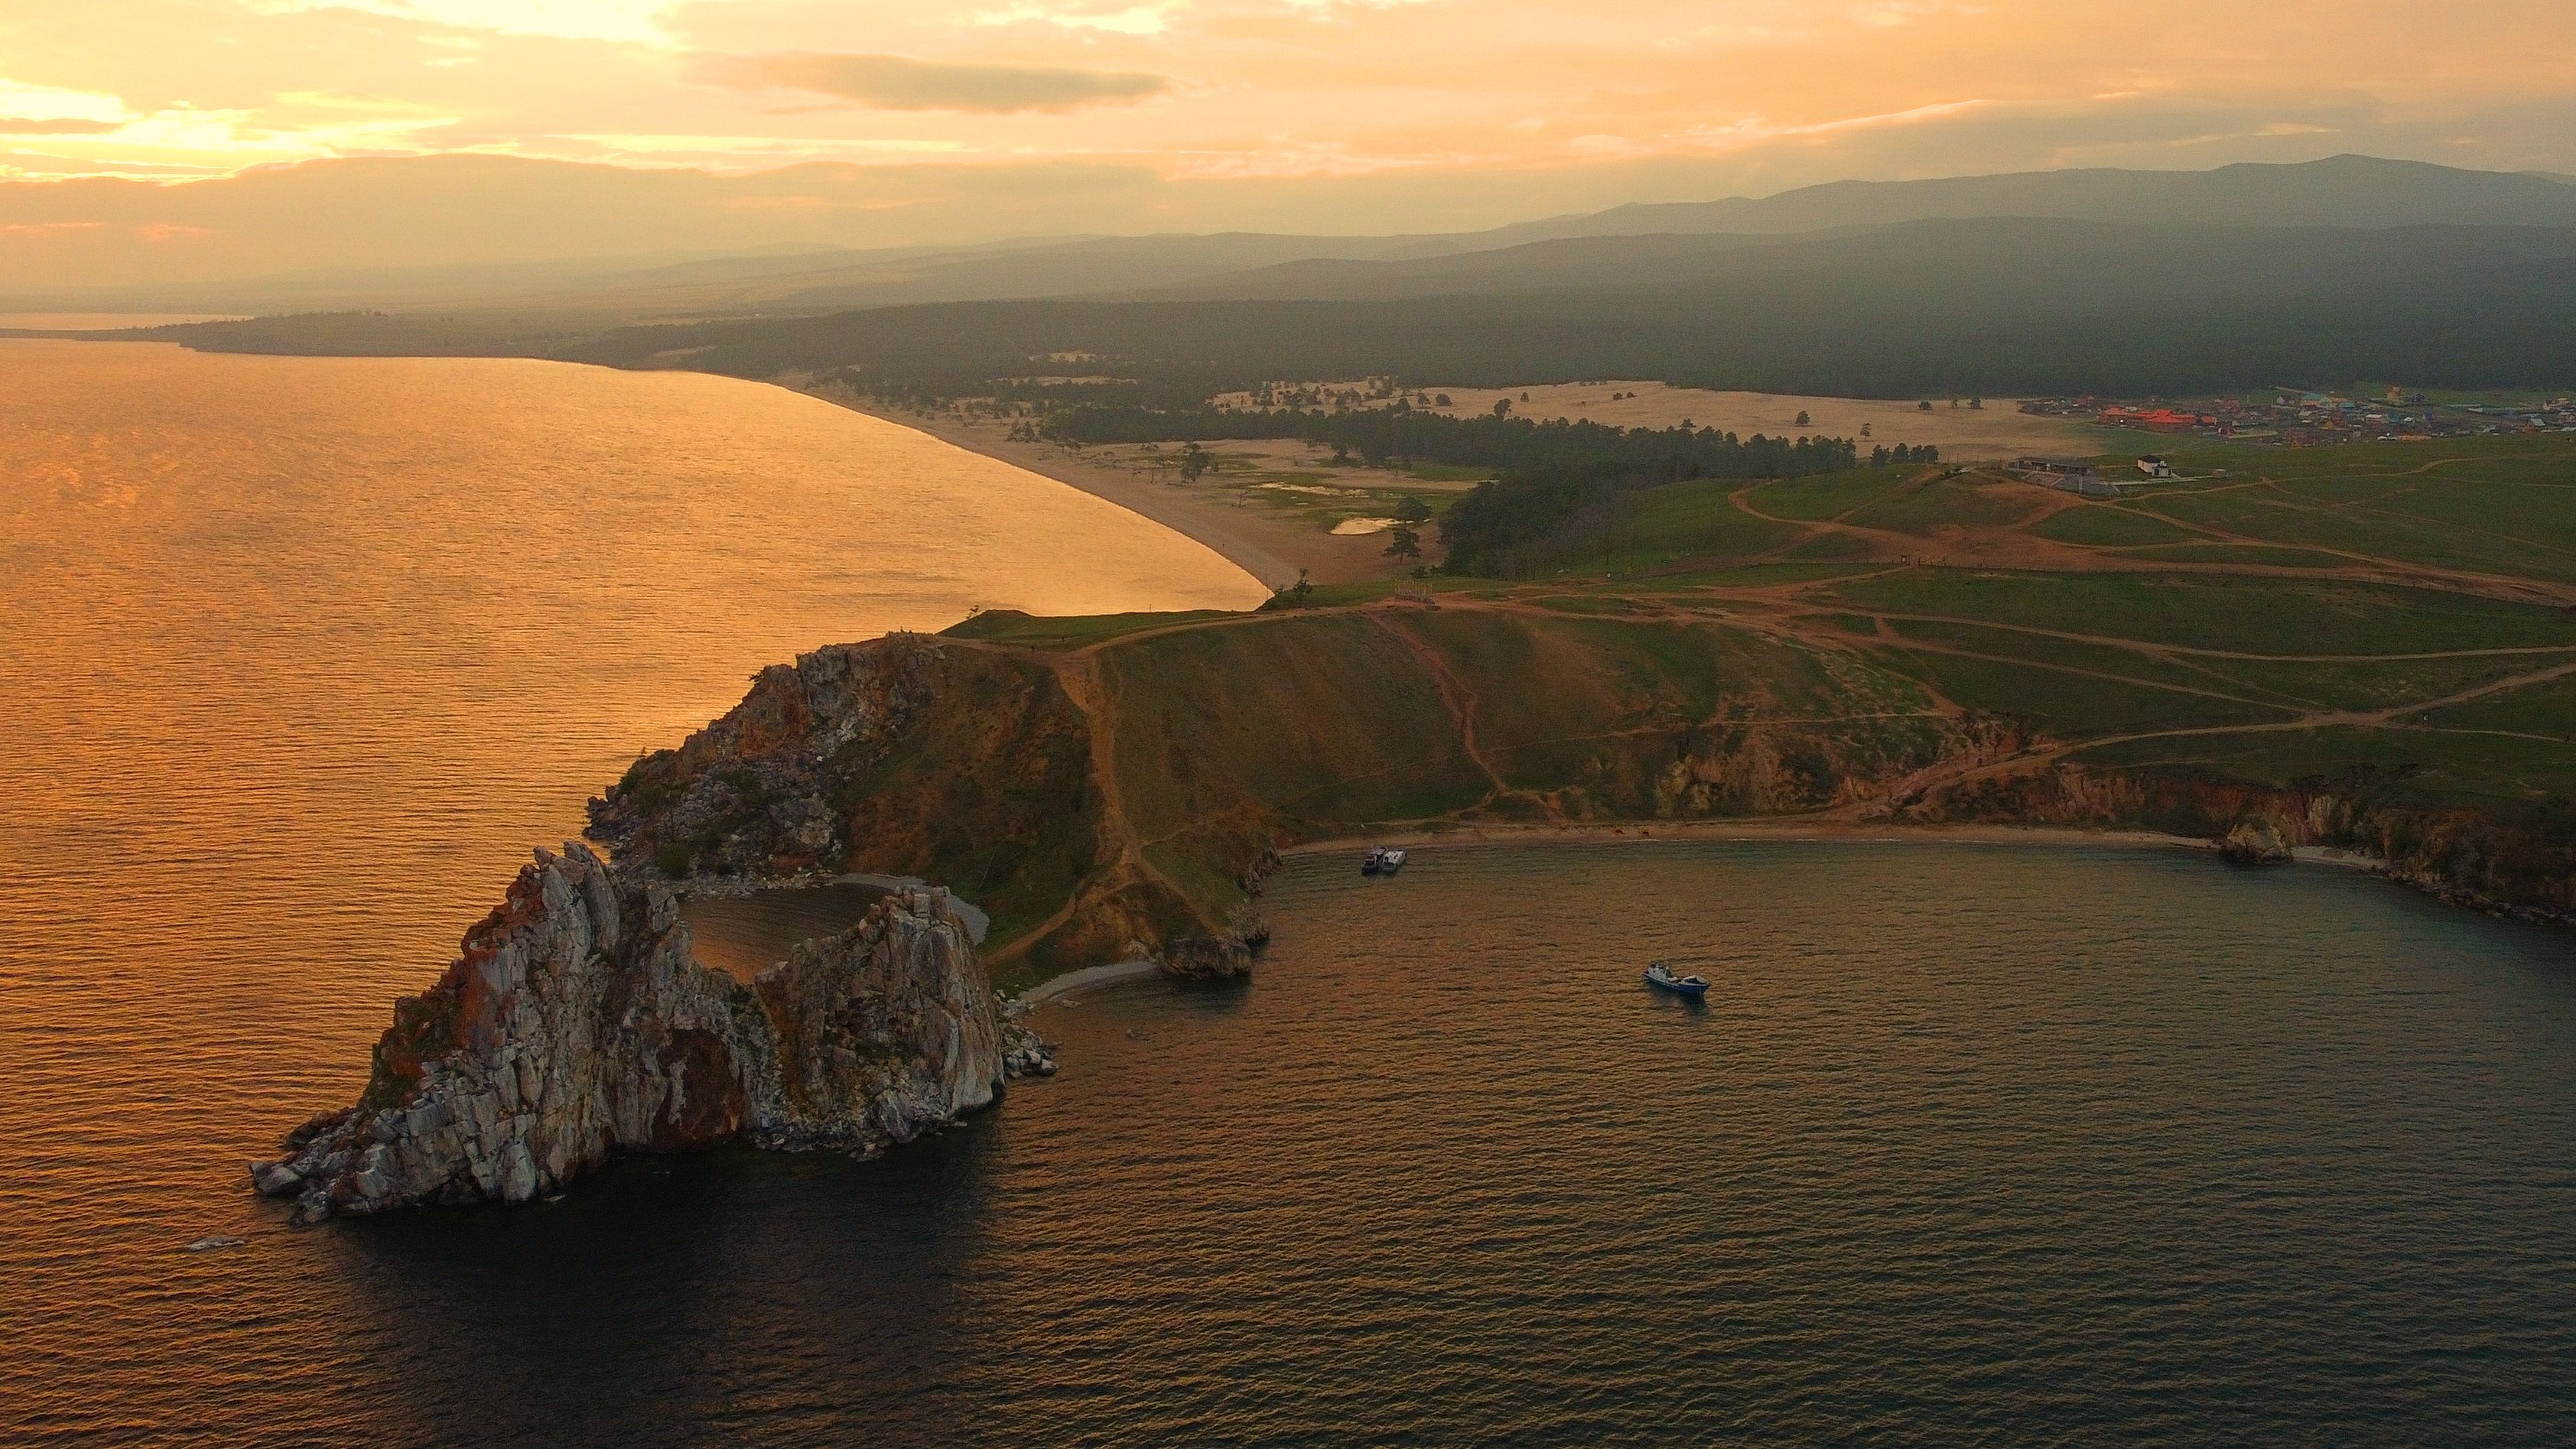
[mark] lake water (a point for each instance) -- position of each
(301, 656)
(2006, 1143)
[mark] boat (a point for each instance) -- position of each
(1382, 861)
(1662, 975)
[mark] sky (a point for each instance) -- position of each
(1000, 117)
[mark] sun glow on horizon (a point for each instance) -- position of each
(986, 118)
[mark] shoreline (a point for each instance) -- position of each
(1084, 979)
(1272, 550)
(1633, 833)
(1685, 831)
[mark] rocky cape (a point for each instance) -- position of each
(576, 1025)
(1118, 789)
(990, 769)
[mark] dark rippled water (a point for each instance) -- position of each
(2016, 1143)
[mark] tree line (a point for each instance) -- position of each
(1556, 481)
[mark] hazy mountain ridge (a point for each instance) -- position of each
(1999, 307)
(2340, 191)
(700, 279)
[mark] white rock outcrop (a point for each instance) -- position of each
(575, 1025)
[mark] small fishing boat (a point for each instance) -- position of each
(1382, 861)
(1662, 975)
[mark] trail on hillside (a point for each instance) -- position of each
(2014, 546)
(2310, 720)
(1461, 704)
(1122, 850)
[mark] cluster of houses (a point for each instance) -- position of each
(2307, 419)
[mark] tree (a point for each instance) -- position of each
(1924, 406)
(1410, 509)
(1976, 404)
(1443, 399)
(1403, 542)
(1802, 419)
(1864, 430)
(1195, 461)
(1502, 407)
(1291, 596)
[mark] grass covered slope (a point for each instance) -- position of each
(1877, 646)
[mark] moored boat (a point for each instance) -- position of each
(1662, 975)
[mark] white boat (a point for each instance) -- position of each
(1662, 975)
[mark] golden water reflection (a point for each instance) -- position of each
(301, 655)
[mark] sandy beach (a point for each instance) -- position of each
(1650, 832)
(1085, 979)
(1274, 546)
(1271, 548)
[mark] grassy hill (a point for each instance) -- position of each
(2372, 647)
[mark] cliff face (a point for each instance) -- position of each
(748, 795)
(879, 1034)
(2459, 855)
(575, 1024)
(903, 756)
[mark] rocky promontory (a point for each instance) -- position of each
(576, 1025)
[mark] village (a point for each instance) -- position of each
(2300, 418)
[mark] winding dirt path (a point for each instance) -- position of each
(1460, 701)
(1122, 851)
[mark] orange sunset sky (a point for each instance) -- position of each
(997, 117)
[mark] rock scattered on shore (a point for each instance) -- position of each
(2255, 842)
(1029, 1057)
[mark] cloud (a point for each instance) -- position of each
(54, 126)
(899, 83)
(632, 21)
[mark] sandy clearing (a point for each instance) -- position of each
(1963, 434)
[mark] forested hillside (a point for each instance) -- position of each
(1997, 307)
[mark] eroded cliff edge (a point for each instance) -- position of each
(576, 1025)
(1118, 787)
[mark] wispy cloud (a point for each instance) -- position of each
(36, 106)
(900, 83)
(54, 126)
(632, 21)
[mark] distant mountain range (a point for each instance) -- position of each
(2343, 192)
(2340, 191)
(1998, 306)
